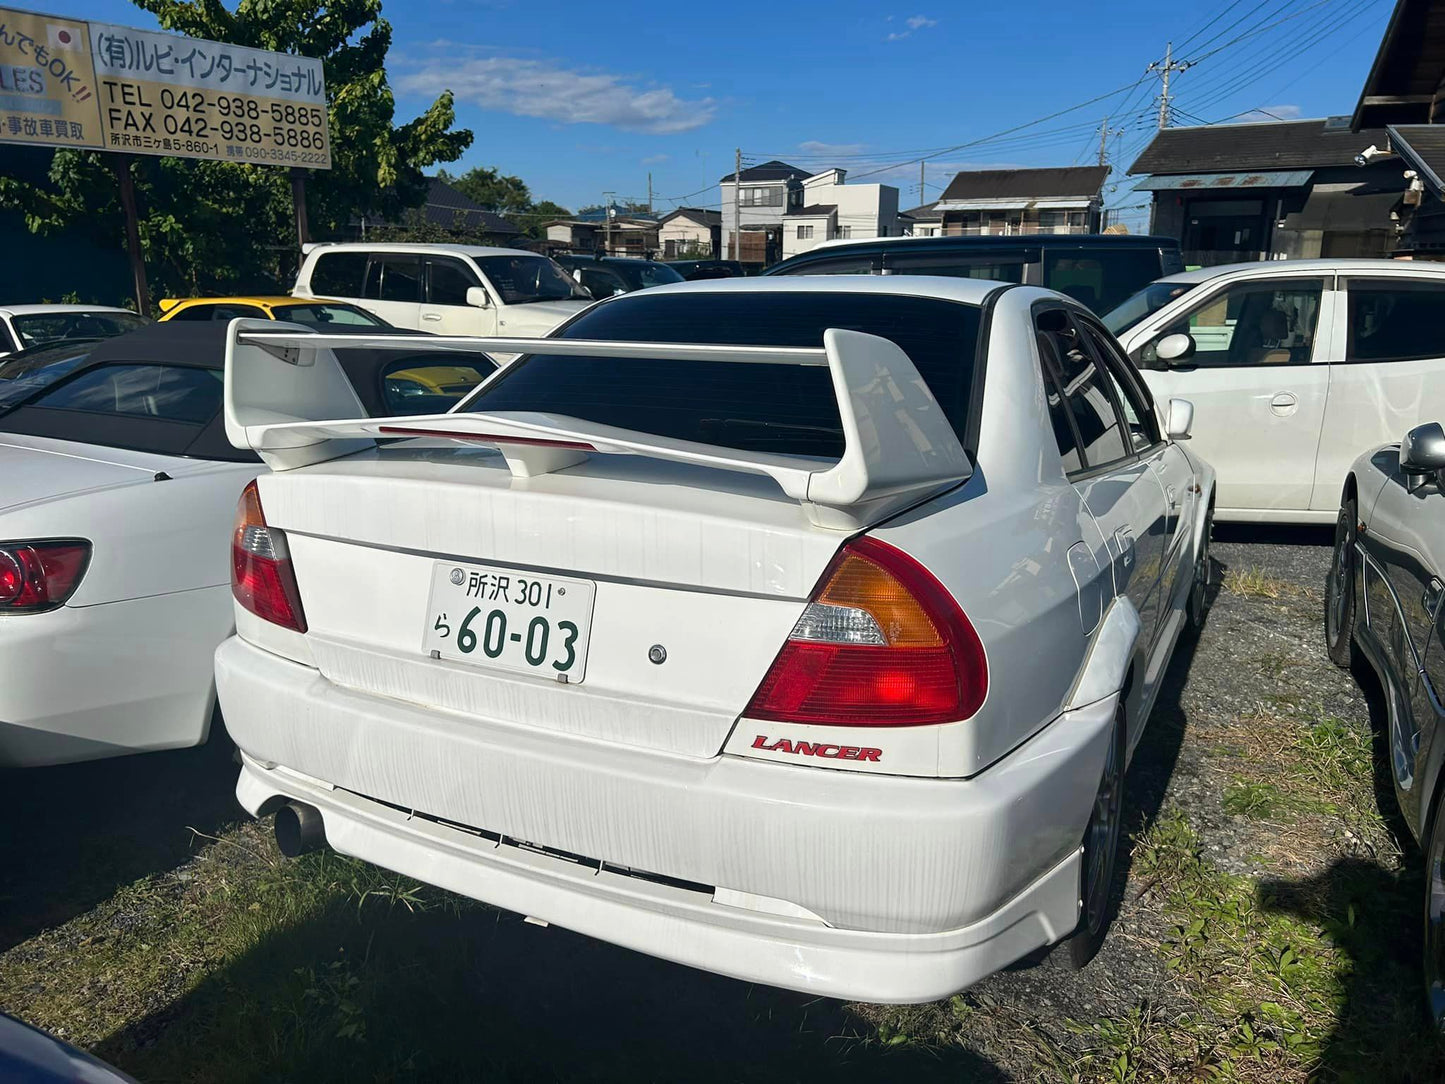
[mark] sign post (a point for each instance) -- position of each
(73, 83)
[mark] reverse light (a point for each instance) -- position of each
(881, 643)
(262, 579)
(38, 576)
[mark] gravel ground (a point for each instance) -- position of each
(92, 848)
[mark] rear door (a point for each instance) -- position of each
(1259, 382)
(393, 288)
(1387, 369)
(445, 310)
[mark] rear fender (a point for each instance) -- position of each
(1115, 647)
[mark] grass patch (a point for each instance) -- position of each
(1257, 583)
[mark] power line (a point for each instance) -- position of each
(1233, 4)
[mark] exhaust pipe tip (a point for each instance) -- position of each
(299, 829)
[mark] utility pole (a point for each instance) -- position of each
(649, 191)
(1104, 133)
(1166, 68)
(737, 204)
(922, 191)
(607, 225)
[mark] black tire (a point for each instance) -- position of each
(1203, 575)
(1435, 923)
(1100, 861)
(1340, 589)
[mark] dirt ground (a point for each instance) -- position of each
(1268, 926)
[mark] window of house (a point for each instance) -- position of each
(771, 196)
(805, 232)
(1251, 323)
(1395, 319)
(845, 231)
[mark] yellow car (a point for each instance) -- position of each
(312, 313)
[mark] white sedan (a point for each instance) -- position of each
(26, 326)
(795, 629)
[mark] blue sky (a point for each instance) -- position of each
(579, 99)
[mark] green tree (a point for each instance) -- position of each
(542, 212)
(489, 189)
(622, 208)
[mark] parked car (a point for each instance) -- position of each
(447, 289)
(1383, 601)
(26, 326)
(1099, 270)
(119, 487)
(321, 313)
(608, 276)
(693, 270)
(30, 1056)
(712, 650)
(1293, 367)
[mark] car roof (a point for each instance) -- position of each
(1082, 240)
(38, 310)
(414, 246)
(967, 291)
(1274, 267)
(265, 300)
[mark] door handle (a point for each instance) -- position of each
(1124, 539)
(1284, 404)
(431, 316)
(1431, 598)
(1173, 495)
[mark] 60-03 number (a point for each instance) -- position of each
(493, 638)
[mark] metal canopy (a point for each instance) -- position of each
(1292, 178)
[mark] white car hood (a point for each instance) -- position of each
(539, 317)
(34, 469)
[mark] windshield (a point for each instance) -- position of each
(36, 329)
(522, 280)
(327, 314)
(25, 374)
(787, 409)
(1144, 304)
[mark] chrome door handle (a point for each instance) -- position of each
(1284, 403)
(1173, 495)
(431, 316)
(1124, 538)
(1431, 598)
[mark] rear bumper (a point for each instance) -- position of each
(838, 883)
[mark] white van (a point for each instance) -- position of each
(445, 289)
(1294, 368)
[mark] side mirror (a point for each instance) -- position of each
(1422, 454)
(1180, 422)
(1174, 348)
(477, 297)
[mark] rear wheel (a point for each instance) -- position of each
(1100, 858)
(1203, 569)
(1435, 923)
(1340, 590)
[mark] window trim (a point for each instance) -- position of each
(1345, 285)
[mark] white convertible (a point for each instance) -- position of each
(796, 629)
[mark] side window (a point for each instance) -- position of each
(448, 281)
(1140, 424)
(1252, 323)
(338, 274)
(169, 392)
(223, 313)
(1100, 279)
(194, 314)
(600, 283)
(1003, 267)
(393, 277)
(1081, 395)
(1395, 319)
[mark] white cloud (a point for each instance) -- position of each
(913, 22)
(1272, 112)
(543, 88)
(813, 146)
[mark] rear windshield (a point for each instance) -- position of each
(1143, 304)
(326, 314)
(784, 409)
(36, 329)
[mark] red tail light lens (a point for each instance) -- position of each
(36, 576)
(882, 643)
(261, 575)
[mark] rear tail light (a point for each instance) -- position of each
(36, 576)
(261, 575)
(881, 643)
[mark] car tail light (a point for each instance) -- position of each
(36, 576)
(882, 643)
(261, 575)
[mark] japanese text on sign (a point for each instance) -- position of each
(47, 84)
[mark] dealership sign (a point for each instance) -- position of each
(72, 83)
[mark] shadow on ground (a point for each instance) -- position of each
(74, 834)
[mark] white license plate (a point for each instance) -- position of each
(510, 620)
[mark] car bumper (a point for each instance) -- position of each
(844, 884)
(86, 682)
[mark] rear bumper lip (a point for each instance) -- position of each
(922, 886)
(677, 924)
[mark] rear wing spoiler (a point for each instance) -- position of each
(287, 398)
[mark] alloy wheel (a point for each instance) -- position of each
(1341, 579)
(1102, 842)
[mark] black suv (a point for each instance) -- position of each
(1099, 270)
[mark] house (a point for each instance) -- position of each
(447, 209)
(924, 221)
(765, 194)
(690, 232)
(832, 208)
(994, 202)
(621, 234)
(1269, 190)
(1405, 94)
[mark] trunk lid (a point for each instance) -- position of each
(38, 469)
(712, 568)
